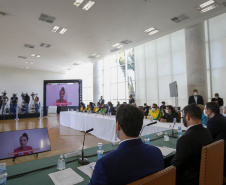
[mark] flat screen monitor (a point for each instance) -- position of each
(62, 94)
(24, 142)
(173, 89)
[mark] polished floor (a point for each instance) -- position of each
(62, 139)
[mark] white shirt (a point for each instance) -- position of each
(196, 99)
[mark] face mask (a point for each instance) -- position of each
(153, 109)
(167, 112)
(204, 112)
(216, 97)
(184, 121)
(195, 93)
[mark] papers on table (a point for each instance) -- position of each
(87, 169)
(166, 150)
(66, 177)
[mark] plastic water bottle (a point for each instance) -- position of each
(179, 132)
(146, 139)
(100, 150)
(61, 163)
(174, 121)
(166, 137)
(83, 111)
(3, 174)
(151, 119)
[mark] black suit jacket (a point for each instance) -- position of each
(220, 101)
(188, 154)
(199, 100)
(217, 127)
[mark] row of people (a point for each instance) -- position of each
(120, 167)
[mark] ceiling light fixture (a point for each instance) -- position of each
(35, 55)
(207, 3)
(78, 2)
(29, 62)
(117, 45)
(63, 31)
(149, 30)
(55, 28)
(153, 32)
(209, 8)
(88, 5)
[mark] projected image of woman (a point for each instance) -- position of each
(23, 149)
(62, 101)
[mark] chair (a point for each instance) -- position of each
(166, 176)
(212, 164)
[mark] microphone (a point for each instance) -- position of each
(82, 160)
(147, 125)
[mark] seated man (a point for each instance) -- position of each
(169, 115)
(133, 159)
(189, 147)
(146, 109)
(154, 112)
(216, 124)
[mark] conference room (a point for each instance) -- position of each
(64, 53)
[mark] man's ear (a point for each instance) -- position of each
(118, 126)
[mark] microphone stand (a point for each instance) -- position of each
(82, 160)
(173, 134)
(147, 125)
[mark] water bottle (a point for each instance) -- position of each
(3, 174)
(100, 150)
(179, 132)
(146, 139)
(174, 121)
(83, 111)
(166, 137)
(151, 119)
(61, 163)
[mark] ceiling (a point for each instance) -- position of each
(93, 31)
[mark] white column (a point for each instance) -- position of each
(97, 80)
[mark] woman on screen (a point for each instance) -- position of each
(61, 101)
(23, 149)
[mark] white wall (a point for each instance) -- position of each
(18, 81)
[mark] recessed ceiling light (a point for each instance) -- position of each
(55, 28)
(24, 67)
(63, 31)
(29, 62)
(33, 55)
(153, 32)
(209, 8)
(78, 2)
(115, 45)
(120, 46)
(207, 3)
(94, 54)
(88, 5)
(38, 56)
(149, 30)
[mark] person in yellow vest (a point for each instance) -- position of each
(82, 107)
(96, 110)
(154, 112)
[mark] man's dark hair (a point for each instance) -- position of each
(110, 104)
(195, 90)
(194, 111)
(155, 105)
(130, 119)
(145, 103)
(213, 106)
(62, 89)
(171, 108)
(216, 94)
(98, 103)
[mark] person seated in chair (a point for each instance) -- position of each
(169, 115)
(146, 110)
(103, 110)
(110, 109)
(154, 112)
(132, 160)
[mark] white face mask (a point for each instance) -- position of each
(195, 93)
(204, 112)
(153, 109)
(216, 97)
(167, 112)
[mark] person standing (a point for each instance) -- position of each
(101, 100)
(218, 100)
(26, 101)
(131, 99)
(195, 98)
(36, 103)
(189, 146)
(13, 104)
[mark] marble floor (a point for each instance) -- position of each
(62, 139)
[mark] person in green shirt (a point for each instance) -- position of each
(103, 109)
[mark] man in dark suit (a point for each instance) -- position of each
(133, 159)
(131, 99)
(195, 98)
(101, 100)
(110, 109)
(146, 109)
(189, 146)
(169, 115)
(216, 124)
(218, 100)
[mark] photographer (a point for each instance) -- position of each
(26, 101)
(13, 104)
(36, 103)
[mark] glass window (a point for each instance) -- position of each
(121, 73)
(122, 91)
(114, 75)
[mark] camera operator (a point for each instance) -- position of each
(26, 101)
(36, 103)
(13, 104)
